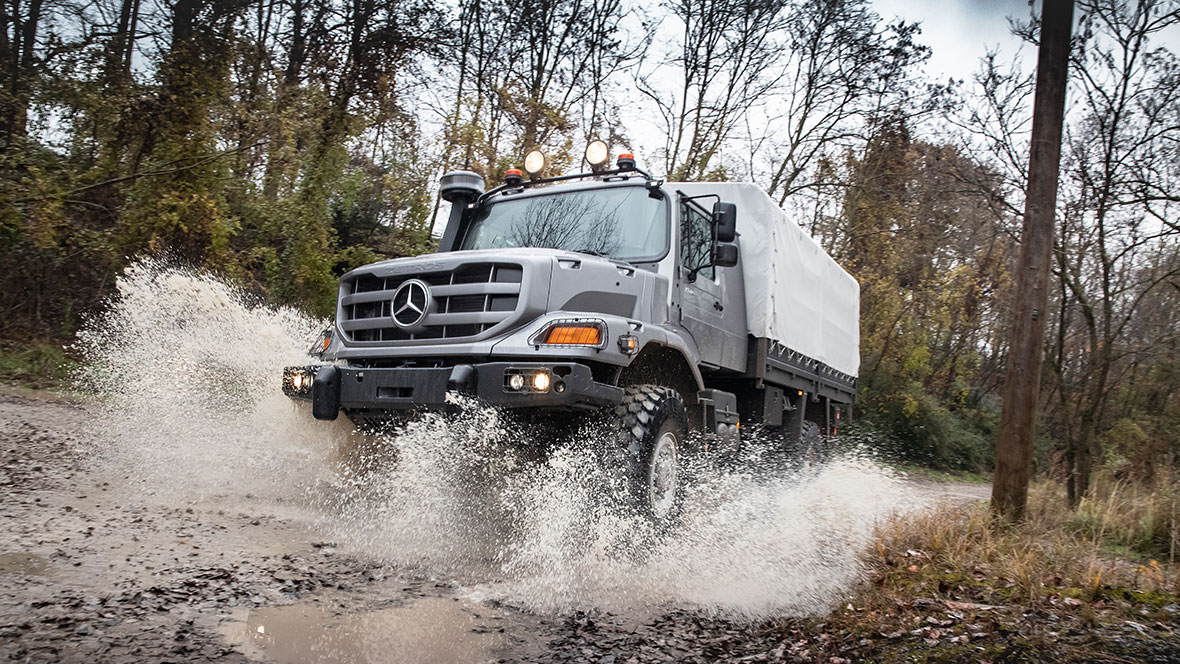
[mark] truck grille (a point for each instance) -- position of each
(467, 301)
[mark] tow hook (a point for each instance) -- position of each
(462, 379)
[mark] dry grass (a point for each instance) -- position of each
(1094, 584)
(1122, 538)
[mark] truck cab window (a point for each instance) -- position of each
(696, 239)
(624, 223)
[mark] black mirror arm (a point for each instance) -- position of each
(692, 274)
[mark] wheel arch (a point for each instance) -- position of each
(657, 364)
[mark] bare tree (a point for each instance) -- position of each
(522, 69)
(725, 62)
(1121, 164)
(841, 71)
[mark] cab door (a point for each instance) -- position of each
(701, 303)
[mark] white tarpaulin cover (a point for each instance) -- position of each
(796, 294)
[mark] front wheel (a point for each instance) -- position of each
(653, 428)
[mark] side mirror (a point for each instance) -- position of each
(725, 221)
(725, 254)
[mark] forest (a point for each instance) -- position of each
(281, 143)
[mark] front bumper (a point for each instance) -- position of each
(332, 388)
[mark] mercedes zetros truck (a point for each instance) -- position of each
(673, 308)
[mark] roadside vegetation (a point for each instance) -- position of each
(40, 365)
(1099, 583)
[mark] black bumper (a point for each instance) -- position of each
(332, 388)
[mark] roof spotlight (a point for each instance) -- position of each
(534, 162)
(597, 154)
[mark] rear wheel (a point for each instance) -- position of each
(813, 448)
(653, 426)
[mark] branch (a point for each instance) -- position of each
(200, 161)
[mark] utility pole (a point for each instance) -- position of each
(1022, 380)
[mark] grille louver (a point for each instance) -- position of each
(467, 301)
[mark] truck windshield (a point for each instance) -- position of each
(623, 223)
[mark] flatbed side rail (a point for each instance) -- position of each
(774, 363)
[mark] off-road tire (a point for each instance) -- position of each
(813, 447)
(647, 417)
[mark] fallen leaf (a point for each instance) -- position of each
(969, 606)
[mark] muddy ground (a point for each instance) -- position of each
(91, 572)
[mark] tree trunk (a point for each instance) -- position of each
(117, 68)
(1014, 447)
(21, 66)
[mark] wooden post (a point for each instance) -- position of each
(1022, 379)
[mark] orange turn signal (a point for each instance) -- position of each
(582, 335)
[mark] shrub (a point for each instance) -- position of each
(920, 430)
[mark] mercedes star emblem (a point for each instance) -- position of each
(411, 301)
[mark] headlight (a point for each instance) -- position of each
(320, 347)
(527, 380)
(297, 381)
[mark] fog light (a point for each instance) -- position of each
(541, 381)
(516, 382)
(298, 380)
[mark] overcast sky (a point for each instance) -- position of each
(960, 31)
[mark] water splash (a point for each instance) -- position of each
(185, 372)
(552, 535)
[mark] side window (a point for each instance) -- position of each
(696, 239)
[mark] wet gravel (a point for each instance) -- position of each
(88, 572)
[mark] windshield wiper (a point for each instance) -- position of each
(593, 252)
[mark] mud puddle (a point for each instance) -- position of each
(331, 629)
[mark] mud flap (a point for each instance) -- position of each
(325, 393)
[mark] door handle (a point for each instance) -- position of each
(717, 306)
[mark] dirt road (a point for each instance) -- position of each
(92, 570)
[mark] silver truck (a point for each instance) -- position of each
(608, 291)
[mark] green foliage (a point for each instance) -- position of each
(215, 156)
(37, 364)
(929, 267)
(1131, 517)
(918, 428)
